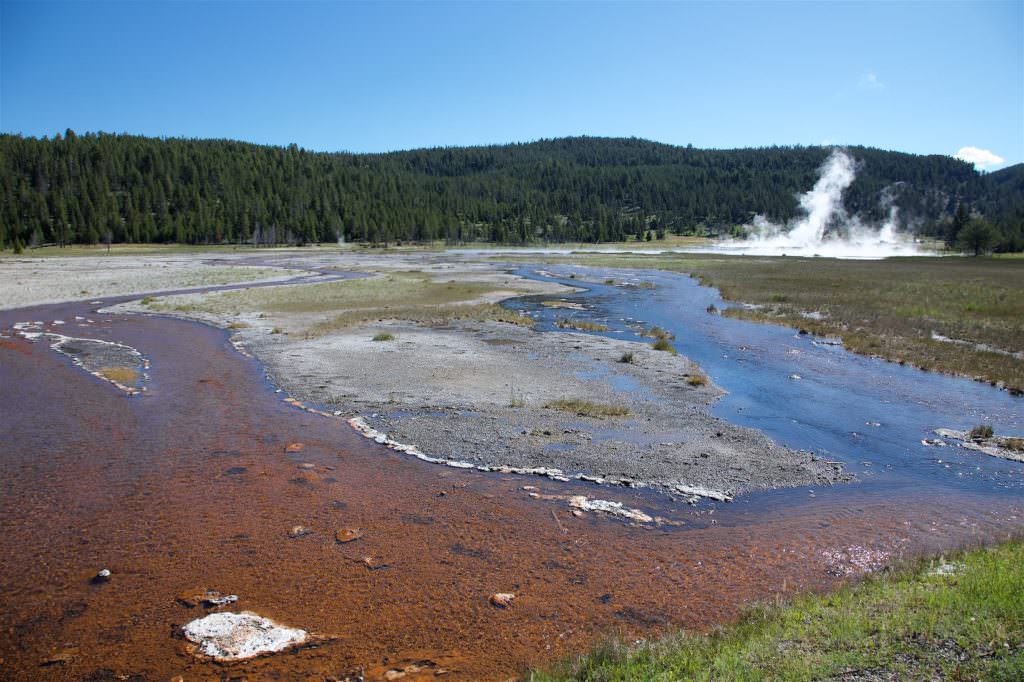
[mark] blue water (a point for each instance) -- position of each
(867, 413)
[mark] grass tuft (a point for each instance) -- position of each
(126, 376)
(582, 325)
(586, 408)
(627, 358)
(384, 336)
(981, 432)
(697, 380)
(663, 344)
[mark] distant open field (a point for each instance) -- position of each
(956, 620)
(961, 316)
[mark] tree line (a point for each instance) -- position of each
(100, 187)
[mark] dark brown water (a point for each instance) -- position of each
(189, 485)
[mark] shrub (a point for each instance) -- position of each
(627, 358)
(697, 380)
(384, 336)
(275, 330)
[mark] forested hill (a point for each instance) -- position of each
(94, 187)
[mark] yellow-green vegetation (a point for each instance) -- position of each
(384, 336)
(148, 300)
(696, 380)
(238, 325)
(412, 296)
(961, 620)
(663, 344)
(892, 308)
(582, 325)
(586, 408)
(657, 332)
(126, 376)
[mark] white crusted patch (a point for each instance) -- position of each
(239, 636)
(584, 503)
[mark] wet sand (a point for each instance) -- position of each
(189, 485)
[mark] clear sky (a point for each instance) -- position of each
(923, 77)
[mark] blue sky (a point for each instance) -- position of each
(920, 77)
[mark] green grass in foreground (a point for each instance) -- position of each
(905, 625)
(889, 308)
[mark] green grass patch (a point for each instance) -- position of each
(384, 336)
(586, 408)
(910, 624)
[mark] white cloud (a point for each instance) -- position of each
(981, 158)
(870, 81)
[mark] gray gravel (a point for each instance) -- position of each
(450, 391)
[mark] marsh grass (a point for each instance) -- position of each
(696, 380)
(889, 308)
(383, 336)
(126, 376)
(906, 624)
(586, 408)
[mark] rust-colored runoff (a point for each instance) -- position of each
(194, 486)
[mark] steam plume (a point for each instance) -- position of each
(825, 229)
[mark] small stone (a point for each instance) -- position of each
(299, 531)
(349, 535)
(307, 465)
(102, 577)
(502, 600)
(294, 447)
(60, 658)
(795, 377)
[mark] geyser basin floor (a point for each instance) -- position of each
(190, 486)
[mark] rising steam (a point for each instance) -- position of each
(825, 228)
